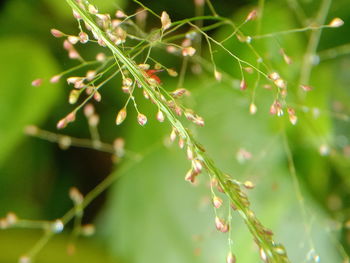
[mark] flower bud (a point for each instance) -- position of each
(217, 202)
(121, 116)
(252, 15)
(243, 85)
(230, 258)
(188, 51)
(160, 116)
(56, 33)
(55, 79)
(336, 22)
(166, 21)
(141, 119)
(252, 108)
(74, 96)
(37, 82)
(83, 37)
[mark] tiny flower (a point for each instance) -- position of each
(274, 76)
(55, 79)
(121, 116)
(166, 21)
(73, 39)
(181, 143)
(70, 117)
(172, 73)
(160, 116)
(37, 82)
(336, 22)
(92, 9)
(243, 85)
(197, 166)
(280, 83)
(56, 33)
(188, 51)
(141, 119)
(190, 154)
(74, 96)
(97, 96)
(173, 135)
(217, 202)
(230, 258)
(83, 37)
(62, 124)
(191, 176)
(252, 108)
(127, 82)
(252, 15)
(292, 117)
(120, 14)
(221, 225)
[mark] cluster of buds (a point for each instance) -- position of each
(221, 225)
(72, 52)
(279, 82)
(8, 221)
(292, 117)
(195, 170)
(276, 108)
(191, 116)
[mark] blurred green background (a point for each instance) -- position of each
(151, 214)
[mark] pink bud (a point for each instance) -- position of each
(160, 116)
(37, 82)
(62, 124)
(56, 33)
(243, 85)
(121, 116)
(55, 79)
(83, 37)
(252, 15)
(217, 202)
(142, 119)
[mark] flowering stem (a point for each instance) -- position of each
(269, 250)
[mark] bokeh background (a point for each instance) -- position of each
(151, 214)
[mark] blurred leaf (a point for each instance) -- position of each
(20, 103)
(15, 243)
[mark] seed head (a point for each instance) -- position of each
(141, 119)
(336, 22)
(56, 33)
(121, 116)
(166, 21)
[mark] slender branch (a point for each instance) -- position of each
(270, 251)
